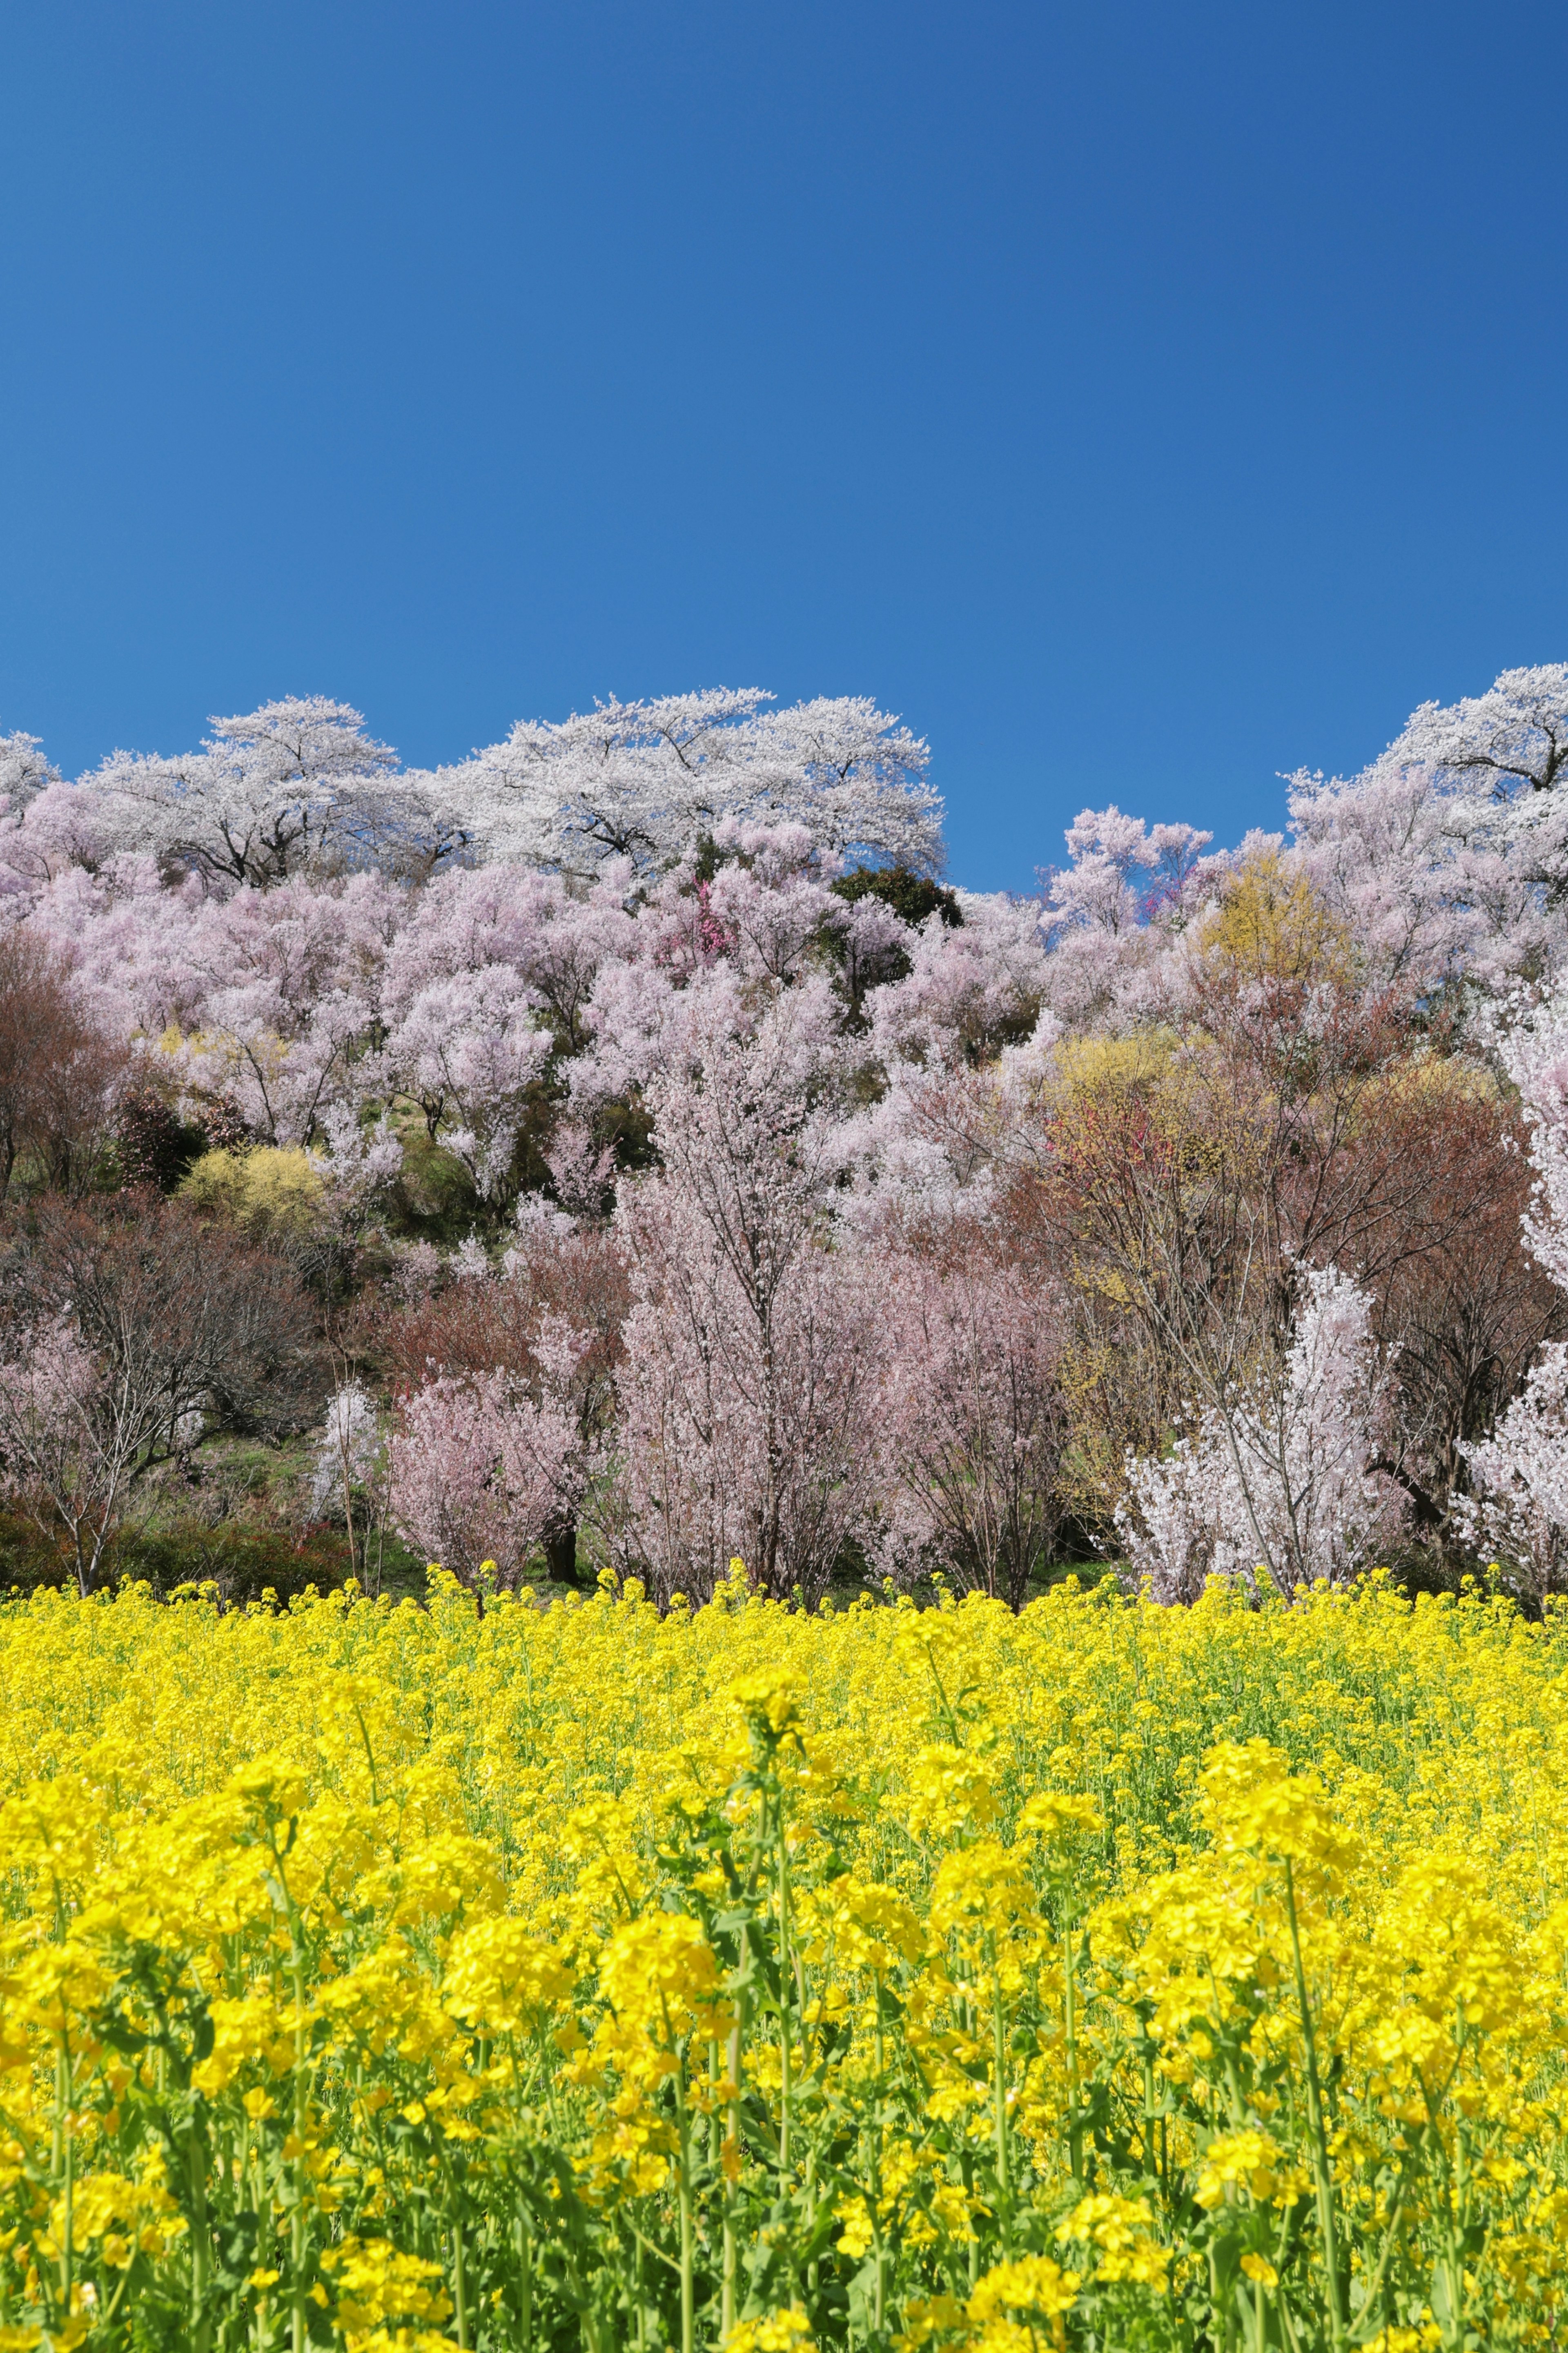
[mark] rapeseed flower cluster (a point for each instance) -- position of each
(393, 1978)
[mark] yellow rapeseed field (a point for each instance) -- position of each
(1107, 1977)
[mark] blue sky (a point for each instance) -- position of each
(1141, 399)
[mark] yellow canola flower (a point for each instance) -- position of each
(119, 2218)
(867, 1925)
(253, 2031)
(1249, 2160)
(661, 1980)
(776, 2332)
(1118, 2229)
(457, 1965)
(502, 1979)
(952, 1791)
(375, 2283)
(1013, 2302)
(1252, 1801)
(767, 1698)
(1059, 1817)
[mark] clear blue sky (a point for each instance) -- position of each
(1141, 399)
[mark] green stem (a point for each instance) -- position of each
(1069, 2023)
(65, 2165)
(784, 1966)
(459, 2286)
(1150, 2166)
(687, 2324)
(201, 2246)
(999, 2048)
(1323, 2177)
(812, 2269)
(876, 2163)
(298, 2329)
(966, 2175)
(731, 2251)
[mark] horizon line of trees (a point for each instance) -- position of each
(624, 1175)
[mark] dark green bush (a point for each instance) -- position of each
(241, 1558)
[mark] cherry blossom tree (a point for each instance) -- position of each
(24, 773)
(747, 1390)
(1518, 1507)
(1376, 850)
(284, 1088)
(1280, 1481)
(1109, 915)
(277, 991)
(59, 1071)
(1510, 741)
(477, 1471)
(58, 829)
(1517, 1514)
(358, 1161)
(1450, 853)
(71, 1439)
(854, 777)
(970, 989)
(766, 906)
(645, 781)
(271, 791)
(119, 1330)
(1534, 1053)
(549, 1319)
(468, 1051)
(748, 1423)
(975, 1416)
(350, 1459)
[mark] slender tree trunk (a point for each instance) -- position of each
(561, 1553)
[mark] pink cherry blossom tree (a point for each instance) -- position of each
(1110, 915)
(468, 1050)
(271, 791)
(1517, 1513)
(974, 1417)
(124, 1327)
(1448, 854)
(477, 1471)
(748, 1386)
(25, 773)
(71, 1438)
(971, 988)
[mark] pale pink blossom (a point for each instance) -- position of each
(748, 1386)
(974, 1419)
(478, 1471)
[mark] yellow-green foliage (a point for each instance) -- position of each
(271, 1194)
(1113, 1070)
(1103, 1977)
(1271, 925)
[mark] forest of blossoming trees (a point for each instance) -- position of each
(624, 1150)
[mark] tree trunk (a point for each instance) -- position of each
(560, 1554)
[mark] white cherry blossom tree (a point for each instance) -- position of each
(271, 791)
(647, 780)
(1283, 1482)
(1518, 1510)
(1450, 853)
(24, 772)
